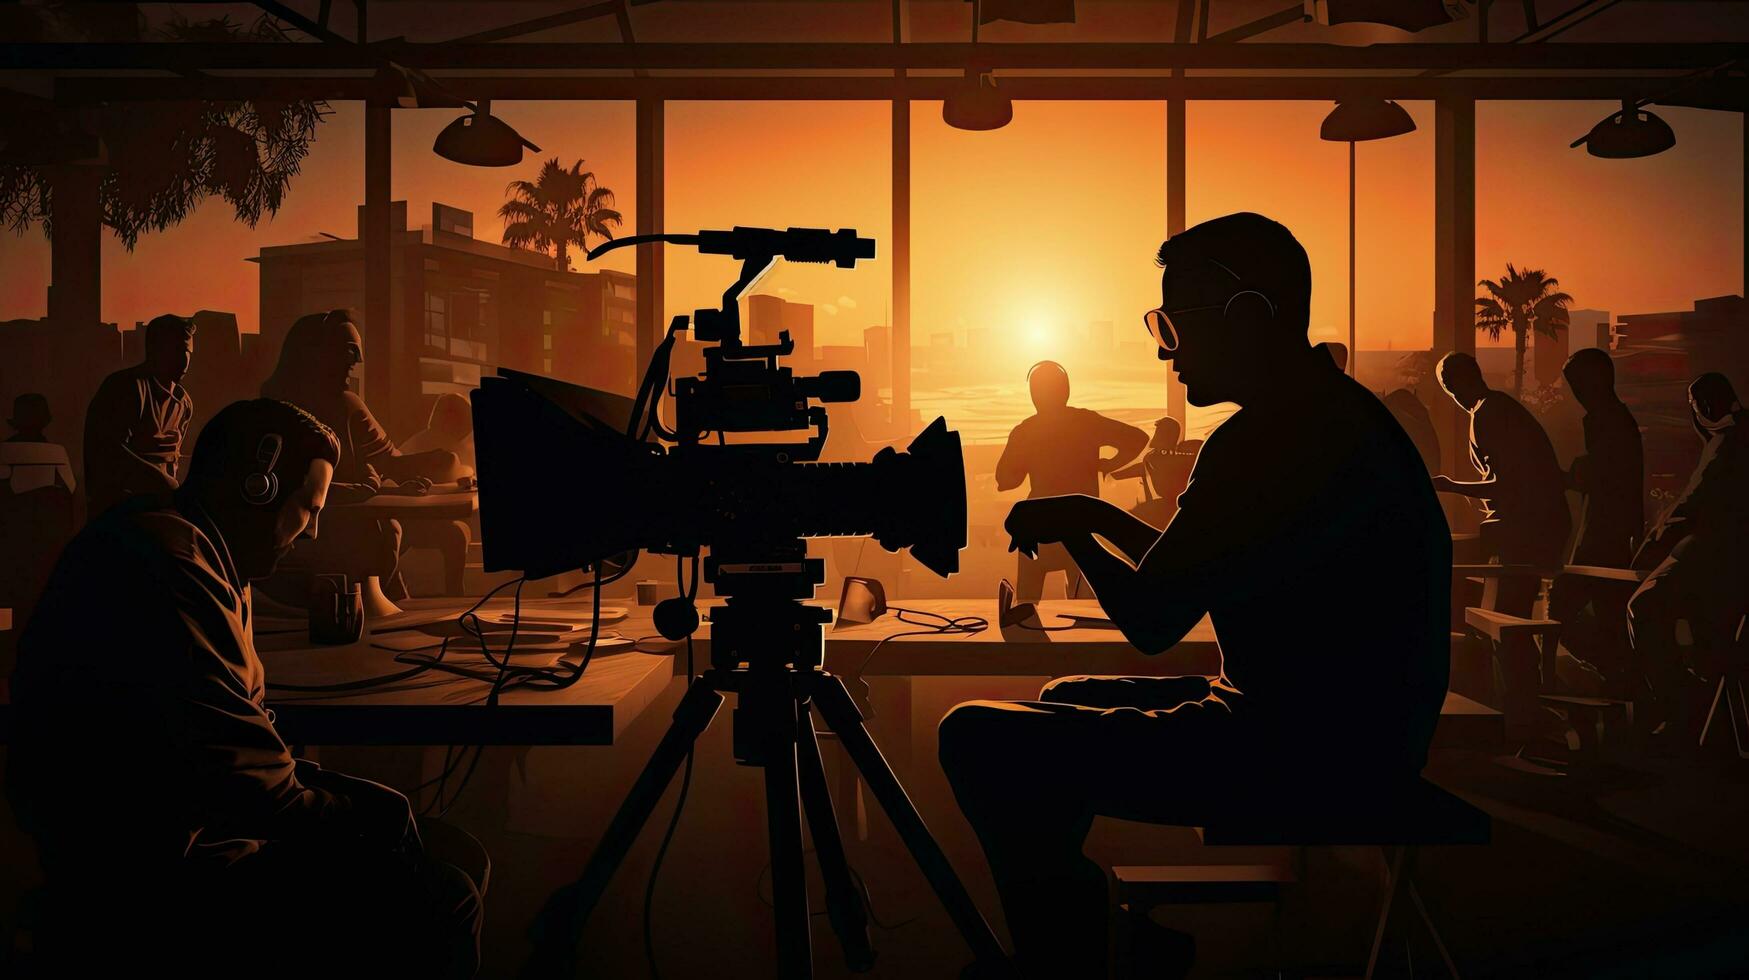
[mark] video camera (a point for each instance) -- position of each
(570, 476)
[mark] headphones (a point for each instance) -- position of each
(261, 487)
(1228, 309)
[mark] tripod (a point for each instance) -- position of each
(774, 730)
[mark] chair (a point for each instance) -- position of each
(1733, 691)
(1397, 822)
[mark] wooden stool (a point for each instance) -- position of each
(1600, 722)
(1398, 823)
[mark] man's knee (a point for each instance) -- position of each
(970, 737)
(1063, 690)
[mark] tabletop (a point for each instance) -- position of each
(440, 504)
(441, 708)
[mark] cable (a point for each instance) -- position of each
(948, 626)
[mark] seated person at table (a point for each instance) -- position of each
(1696, 550)
(28, 459)
(451, 428)
(1164, 471)
(138, 420)
(1308, 534)
(174, 827)
(314, 373)
(36, 504)
(1059, 450)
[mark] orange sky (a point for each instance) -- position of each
(1050, 221)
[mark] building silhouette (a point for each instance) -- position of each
(459, 308)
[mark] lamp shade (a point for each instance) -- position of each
(1405, 15)
(1632, 132)
(480, 139)
(976, 105)
(1359, 120)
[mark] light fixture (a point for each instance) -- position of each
(1359, 120)
(1405, 15)
(480, 139)
(976, 104)
(1632, 132)
(1356, 121)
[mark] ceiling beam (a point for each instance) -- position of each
(538, 24)
(484, 58)
(86, 90)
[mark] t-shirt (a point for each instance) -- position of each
(1327, 577)
(142, 739)
(27, 466)
(1058, 452)
(134, 426)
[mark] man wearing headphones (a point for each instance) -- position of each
(173, 825)
(1308, 534)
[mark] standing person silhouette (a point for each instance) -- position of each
(1307, 508)
(1059, 450)
(1611, 477)
(1524, 491)
(138, 419)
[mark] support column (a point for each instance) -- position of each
(380, 350)
(651, 292)
(901, 325)
(1175, 110)
(1454, 256)
(76, 249)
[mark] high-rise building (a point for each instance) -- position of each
(1589, 328)
(878, 341)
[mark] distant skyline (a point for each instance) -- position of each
(1049, 222)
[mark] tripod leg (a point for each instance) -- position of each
(841, 715)
(789, 884)
(843, 900)
(559, 926)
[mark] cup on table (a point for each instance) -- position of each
(336, 610)
(648, 592)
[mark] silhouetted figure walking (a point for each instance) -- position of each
(1523, 490)
(1060, 450)
(1311, 538)
(138, 419)
(1697, 551)
(174, 826)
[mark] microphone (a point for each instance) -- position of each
(841, 248)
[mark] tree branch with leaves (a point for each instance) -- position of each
(561, 207)
(1522, 301)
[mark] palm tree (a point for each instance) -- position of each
(1524, 301)
(560, 208)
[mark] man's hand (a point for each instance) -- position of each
(1043, 520)
(381, 816)
(417, 486)
(1444, 484)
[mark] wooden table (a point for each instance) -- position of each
(441, 708)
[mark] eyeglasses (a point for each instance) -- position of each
(1161, 328)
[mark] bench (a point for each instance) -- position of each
(1419, 815)
(1501, 628)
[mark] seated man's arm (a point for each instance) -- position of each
(373, 445)
(1128, 440)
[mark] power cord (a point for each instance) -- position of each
(942, 626)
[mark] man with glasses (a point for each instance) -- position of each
(1308, 534)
